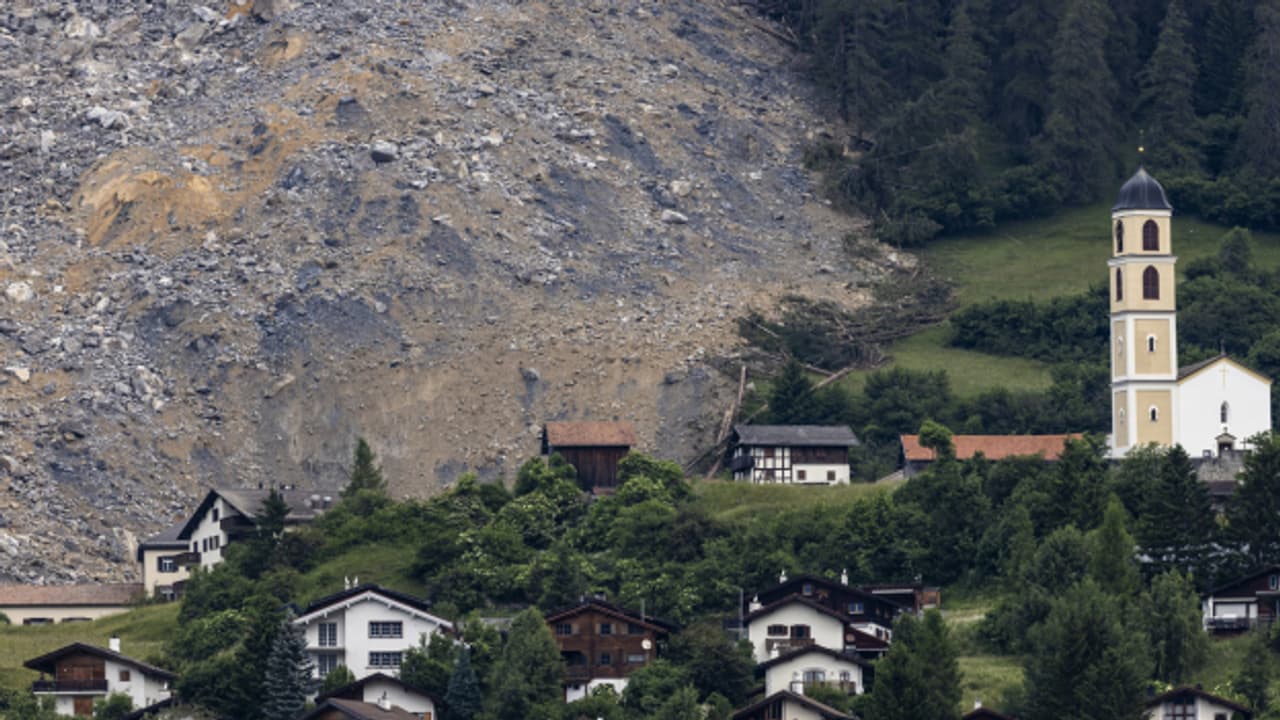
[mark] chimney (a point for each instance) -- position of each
(797, 683)
(114, 644)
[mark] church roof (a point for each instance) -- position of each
(1187, 371)
(993, 447)
(1142, 192)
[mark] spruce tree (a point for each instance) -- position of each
(1166, 100)
(1253, 513)
(1111, 562)
(529, 672)
(364, 474)
(1025, 65)
(1259, 145)
(1172, 616)
(1084, 663)
(1228, 30)
(463, 700)
(919, 678)
(1176, 528)
(288, 678)
(963, 91)
(792, 400)
(1256, 673)
(1080, 134)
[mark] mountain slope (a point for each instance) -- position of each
(240, 235)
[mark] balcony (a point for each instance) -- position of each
(187, 559)
(577, 674)
(786, 645)
(60, 686)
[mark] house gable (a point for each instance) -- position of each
(391, 599)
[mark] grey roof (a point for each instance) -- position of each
(796, 435)
(248, 502)
(1186, 370)
(1142, 192)
(166, 538)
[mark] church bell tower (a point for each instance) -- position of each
(1144, 333)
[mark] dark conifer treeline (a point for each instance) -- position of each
(965, 112)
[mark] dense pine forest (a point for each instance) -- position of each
(965, 113)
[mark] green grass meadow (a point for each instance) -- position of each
(1032, 260)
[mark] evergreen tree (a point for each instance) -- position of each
(1166, 100)
(792, 400)
(1025, 66)
(1260, 135)
(1256, 673)
(963, 91)
(528, 674)
(1171, 613)
(1227, 34)
(1253, 513)
(565, 582)
(1111, 562)
(463, 700)
(682, 705)
(271, 516)
(1084, 664)
(848, 38)
(429, 665)
(288, 680)
(712, 662)
(364, 474)
(919, 678)
(1080, 133)
(1176, 528)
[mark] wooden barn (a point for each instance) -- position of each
(593, 448)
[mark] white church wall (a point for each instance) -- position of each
(1199, 405)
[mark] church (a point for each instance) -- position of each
(1210, 407)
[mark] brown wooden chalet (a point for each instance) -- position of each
(78, 674)
(1243, 603)
(857, 606)
(600, 640)
(593, 448)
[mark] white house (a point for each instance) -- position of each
(386, 691)
(1192, 703)
(78, 674)
(789, 705)
(367, 628)
(791, 624)
(814, 666)
(162, 574)
(792, 454)
(48, 604)
(227, 514)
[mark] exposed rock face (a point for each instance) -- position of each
(236, 236)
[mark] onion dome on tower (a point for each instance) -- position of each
(1142, 192)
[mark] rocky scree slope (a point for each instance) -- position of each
(235, 236)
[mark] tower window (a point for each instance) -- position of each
(1150, 236)
(1119, 237)
(1121, 415)
(1224, 412)
(1151, 343)
(1154, 412)
(1150, 283)
(1119, 285)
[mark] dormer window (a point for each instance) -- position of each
(1119, 237)
(1150, 236)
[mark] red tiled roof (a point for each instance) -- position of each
(994, 447)
(590, 434)
(90, 594)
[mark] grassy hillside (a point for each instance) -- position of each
(142, 632)
(1033, 260)
(727, 500)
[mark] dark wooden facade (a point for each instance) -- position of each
(851, 603)
(599, 640)
(594, 449)
(1257, 594)
(597, 466)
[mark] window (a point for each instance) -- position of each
(124, 676)
(812, 677)
(606, 628)
(768, 475)
(846, 676)
(1119, 237)
(385, 659)
(1274, 582)
(1154, 413)
(855, 608)
(564, 629)
(799, 631)
(328, 633)
(326, 664)
(606, 659)
(1150, 284)
(777, 630)
(831, 476)
(1151, 343)
(807, 588)
(634, 629)
(195, 547)
(168, 564)
(768, 452)
(800, 474)
(1180, 709)
(1224, 412)
(215, 514)
(1150, 236)
(1119, 285)
(635, 658)
(386, 629)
